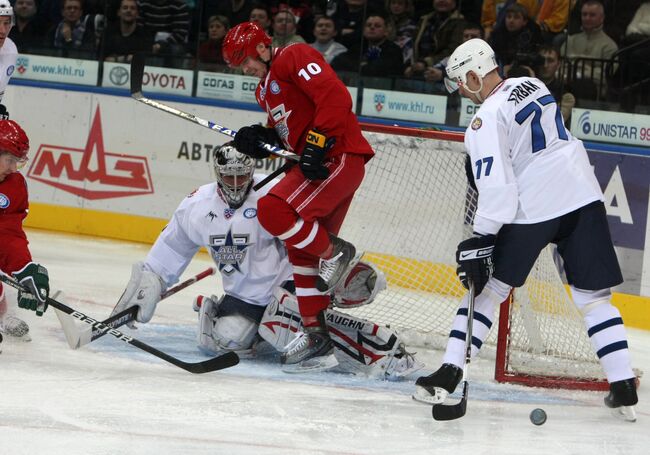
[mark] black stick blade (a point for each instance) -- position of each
(453, 411)
(227, 360)
(137, 73)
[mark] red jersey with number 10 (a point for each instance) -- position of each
(302, 92)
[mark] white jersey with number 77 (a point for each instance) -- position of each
(527, 166)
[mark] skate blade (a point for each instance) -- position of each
(14, 338)
(422, 395)
(316, 364)
(626, 413)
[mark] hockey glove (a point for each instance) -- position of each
(143, 290)
(311, 159)
(474, 258)
(247, 140)
(35, 278)
(4, 115)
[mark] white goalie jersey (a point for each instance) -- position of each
(527, 166)
(251, 262)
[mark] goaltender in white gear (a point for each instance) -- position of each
(258, 303)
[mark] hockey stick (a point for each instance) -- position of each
(77, 338)
(137, 73)
(458, 410)
(217, 363)
(284, 168)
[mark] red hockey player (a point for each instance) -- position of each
(309, 113)
(15, 257)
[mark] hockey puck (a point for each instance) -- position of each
(538, 416)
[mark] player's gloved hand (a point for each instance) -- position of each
(311, 159)
(143, 290)
(474, 258)
(248, 138)
(35, 278)
(4, 115)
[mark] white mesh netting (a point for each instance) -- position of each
(408, 216)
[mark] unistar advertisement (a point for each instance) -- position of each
(613, 127)
(414, 107)
(155, 79)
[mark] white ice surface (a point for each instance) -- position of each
(110, 398)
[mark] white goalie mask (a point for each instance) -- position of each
(7, 10)
(234, 173)
(473, 55)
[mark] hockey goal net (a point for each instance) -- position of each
(412, 210)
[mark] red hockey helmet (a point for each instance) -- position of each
(13, 139)
(241, 41)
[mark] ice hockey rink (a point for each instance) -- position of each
(111, 398)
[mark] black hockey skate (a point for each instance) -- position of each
(622, 398)
(433, 389)
(311, 351)
(333, 269)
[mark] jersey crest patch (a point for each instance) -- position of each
(477, 123)
(10, 70)
(228, 213)
(250, 213)
(4, 201)
(229, 251)
(275, 87)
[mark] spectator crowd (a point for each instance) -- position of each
(594, 47)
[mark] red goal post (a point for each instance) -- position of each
(413, 208)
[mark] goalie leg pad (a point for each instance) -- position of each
(143, 290)
(368, 349)
(281, 321)
(360, 286)
(225, 324)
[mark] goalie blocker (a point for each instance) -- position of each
(361, 346)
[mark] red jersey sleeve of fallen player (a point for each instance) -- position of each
(13, 203)
(327, 106)
(14, 253)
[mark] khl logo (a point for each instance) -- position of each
(584, 123)
(22, 64)
(380, 100)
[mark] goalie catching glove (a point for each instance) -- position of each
(247, 140)
(35, 278)
(313, 155)
(474, 258)
(143, 290)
